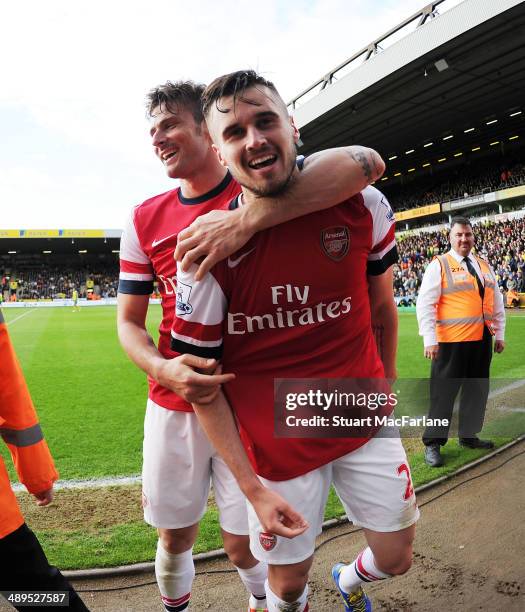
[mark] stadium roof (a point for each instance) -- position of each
(456, 71)
(59, 241)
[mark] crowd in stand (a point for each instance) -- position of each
(463, 182)
(502, 244)
(50, 283)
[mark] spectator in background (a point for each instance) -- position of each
(513, 299)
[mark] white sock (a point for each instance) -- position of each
(363, 569)
(257, 603)
(175, 573)
(275, 604)
(253, 579)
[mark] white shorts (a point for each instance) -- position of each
(179, 463)
(373, 483)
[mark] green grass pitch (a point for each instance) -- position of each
(91, 398)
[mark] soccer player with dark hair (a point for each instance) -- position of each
(311, 298)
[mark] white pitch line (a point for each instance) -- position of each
(508, 409)
(510, 387)
(92, 483)
(116, 481)
(24, 314)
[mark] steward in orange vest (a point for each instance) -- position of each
(461, 312)
(24, 564)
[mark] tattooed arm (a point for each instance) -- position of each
(384, 319)
(328, 178)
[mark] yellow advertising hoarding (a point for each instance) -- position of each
(82, 233)
(52, 233)
(512, 192)
(422, 211)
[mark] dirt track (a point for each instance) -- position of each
(469, 556)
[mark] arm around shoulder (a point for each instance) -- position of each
(328, 178)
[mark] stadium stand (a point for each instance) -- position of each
(36, 276)
(502, 243)
(461, 182)
(50, 283)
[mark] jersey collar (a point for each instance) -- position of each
(210, 194)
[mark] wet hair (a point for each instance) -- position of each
(176, 96)
(234, 84)
(459, 221)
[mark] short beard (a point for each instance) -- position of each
(272, 190)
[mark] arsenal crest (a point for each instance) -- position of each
(335, 242)
(267, 540)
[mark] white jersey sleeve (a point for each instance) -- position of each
(136, 270)
(199, 316)
(384, 251)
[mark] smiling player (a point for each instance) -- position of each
(298, 301)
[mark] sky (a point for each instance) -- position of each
(75, 151)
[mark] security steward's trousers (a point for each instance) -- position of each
(465, 366)
(24, 567)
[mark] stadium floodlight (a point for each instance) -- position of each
(46, 252)
(515, 114)
(397, 174)
(392, 157)
(11, 252)
(469, 130)
(428, 144)
(425, 165)
(442, 159)
(448, 137)
(84, 251)
(385, 178)
(491, 122)
(458, 154)
(411, 170)
(441, 65)
(494, 143)
(115, 251)
(409, 151)
(476, 149)
(513, 137)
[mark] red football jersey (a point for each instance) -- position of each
(146, 252)
(292, 303)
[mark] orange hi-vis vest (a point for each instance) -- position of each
(21, 432)
(461, 312)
